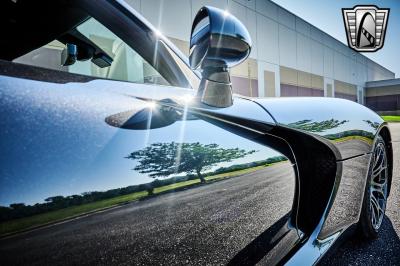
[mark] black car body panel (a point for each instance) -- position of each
(62, 128)
(101, 171)
(348, 130)
(349, 126)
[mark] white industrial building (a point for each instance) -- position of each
(290, 57)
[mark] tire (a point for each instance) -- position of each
(376, 192)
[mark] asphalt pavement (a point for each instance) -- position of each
(385, 250)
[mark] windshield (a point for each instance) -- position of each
(132, 52)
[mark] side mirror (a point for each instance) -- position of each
(218, 41)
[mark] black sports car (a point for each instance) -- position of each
(116, 149)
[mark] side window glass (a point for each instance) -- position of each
(125, 64)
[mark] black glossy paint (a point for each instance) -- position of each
(71, 135)
(57, 142)
(348, 131)
(349, 126)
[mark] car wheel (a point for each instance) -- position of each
(376, 192)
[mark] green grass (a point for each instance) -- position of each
(217, 177)
(70, 212)
(74, 211)
(236, 173)
(175, 186)
(391, 118)
(361, 138)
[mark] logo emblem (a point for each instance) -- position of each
(366, 27)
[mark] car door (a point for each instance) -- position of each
(118, 166)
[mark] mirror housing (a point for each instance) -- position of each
(69, 55)
(218, 41)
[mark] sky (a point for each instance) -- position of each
(327, 16)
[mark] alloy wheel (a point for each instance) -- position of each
(378, 186)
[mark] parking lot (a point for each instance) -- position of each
(386, 249)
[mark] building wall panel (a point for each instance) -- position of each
(164, 16)
(383, 91)
(267, 38)
(250, 4)
(286, 18)
(303, 53)
(328, 62)
(267, 8)
(317, 58)
(303, 27)
(287, 47)
(197, 4)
